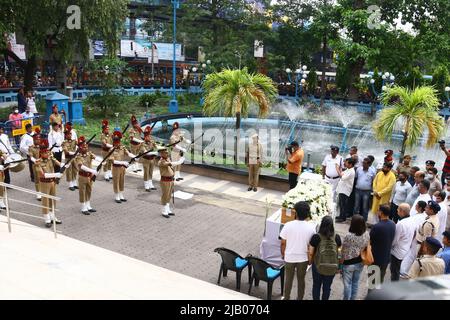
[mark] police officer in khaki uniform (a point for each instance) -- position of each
(177, 149)
(47, 176)
(69, 148)
(167, 177)
(254, 162)
(83, 163)
(106, 140)
(148, 160)
(428, 264)
(134, 135)
(430, 227)
(33, 153)
(119, 166)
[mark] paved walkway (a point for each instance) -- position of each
(228, 217)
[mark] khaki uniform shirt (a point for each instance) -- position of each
(84, 160)
(69, 146)
(119, 154)
(164, 168)
(254, 153)
(429, 228)
(134, 133)
(431, 266)
(147, 146)
(47, 166)
(33, 151)
(55, 118)
(402, 168)
(106, 139)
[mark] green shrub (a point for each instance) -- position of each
(151, 99)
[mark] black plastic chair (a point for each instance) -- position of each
(263, 271)
(229, 262)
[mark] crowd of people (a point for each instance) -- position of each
(399, 219)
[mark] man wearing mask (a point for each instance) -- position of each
(329, 172)
(399, 194)
(435, 184)
(440, 198)
(294, 163)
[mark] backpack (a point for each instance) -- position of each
(326, 257)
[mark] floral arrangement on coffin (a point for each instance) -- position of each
(317, 193)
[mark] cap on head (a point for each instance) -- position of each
(134, 120)
(68, 127)
(389, 152)
(434, 206)
(433, 242)
(43, 146)
(147, 131)
(430, 162)
(37, 134)
(81, 141)
(117, 135)
(105, 124)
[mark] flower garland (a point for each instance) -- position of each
(317, 193)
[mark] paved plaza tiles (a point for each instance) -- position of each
(134, 236)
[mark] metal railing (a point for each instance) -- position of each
(20, 189)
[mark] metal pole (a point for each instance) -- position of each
(174, 69)
(296, 87)
(153, 63)
(53, 202)
(7, 209)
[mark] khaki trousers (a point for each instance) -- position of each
(37, 183)
(50, 189)
(166, 191)
(118, 174)
(175, 156)
(71, 172)
(290, 269)
(2, 189)
(148, 165)
(134, 149)
(253, 175)
(85, 188)
(106, 164)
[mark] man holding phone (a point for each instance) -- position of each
(446, 168)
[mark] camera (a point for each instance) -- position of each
(289, 149)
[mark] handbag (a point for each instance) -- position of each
(367, 256)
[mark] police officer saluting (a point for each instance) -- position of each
(83, 163)
(148, 160)
(119, 166)
(167, 178)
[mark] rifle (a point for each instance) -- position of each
(16, 161)
(99, 167)
(126, 128)
(140, 155)
(54, 145)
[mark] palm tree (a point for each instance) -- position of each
(233, 92)
(412, 110)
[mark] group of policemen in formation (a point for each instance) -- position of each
(47, 166)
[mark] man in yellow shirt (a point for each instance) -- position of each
(382, 186)
(294, 155)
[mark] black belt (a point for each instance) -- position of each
(333, 177)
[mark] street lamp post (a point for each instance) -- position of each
(173, 104)
(387, 78)
(447, 94)
(299, 75)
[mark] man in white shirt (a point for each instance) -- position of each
(5, 147)
(329, 172)
(295, 237)
(405, 231)
(423, 188)
(55, 140)
(25, 142)
(353, 153)
(28, 114)
(440, 198)
(344, 189)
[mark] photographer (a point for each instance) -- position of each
(446, 169)
(294, 155)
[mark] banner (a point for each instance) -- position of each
(142, 49)
(259, 49)
(18, 49)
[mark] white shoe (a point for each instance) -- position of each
(117, 198)
(169, 211)
(39, 197)
(70, 184)
(109, 174)
(122, 198)
(84, 209)
(48, 220)
(164, 212)
(2, 205)
(150, 185)
(54, 219)
(146, 186)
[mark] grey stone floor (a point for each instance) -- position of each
(183, 243)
